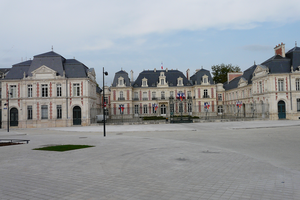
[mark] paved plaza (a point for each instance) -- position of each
(229, 160)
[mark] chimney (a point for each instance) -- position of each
(131, 75)
(232, 75)
(280, 49)
(188, 74)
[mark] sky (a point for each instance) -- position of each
(140, 35)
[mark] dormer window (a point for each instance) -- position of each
(121, 81)
(144, 82)
(162, 79)
(180, 81)
(205, 80)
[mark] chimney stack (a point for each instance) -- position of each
(232, 75)
(280, 49)
(131, 75)
(188, 74)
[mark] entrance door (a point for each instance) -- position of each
(13, 117)
(281, 110)
(76, 115)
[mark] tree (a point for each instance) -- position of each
(219, 72)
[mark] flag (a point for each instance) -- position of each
(162, 67)
(155, 106)
(121, 108)
(180, 95)
(206, 105)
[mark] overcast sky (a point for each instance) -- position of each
(140, 34)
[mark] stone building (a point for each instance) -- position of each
(49, 91)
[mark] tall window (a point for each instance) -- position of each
(145, 109)
(58, 110)
(205, 94)
(76, 90)
(136, 95)
(58, 90)
(13, 91)
(145, 96)
(29, 112)
(121, 95)
(162, 81)
(220, 109)
(29, 90)
(298, 105)
(243, 94)
(153, 95)
(163, 109)
(162, 95)
(260, 87)
(280, 85)
(136, 109)
(44, 112)
(44, 90)
(189, 107)
(171, 93)
(298, 84)
(219, 97)
(189, 94)
(179, 82)
(121, 82)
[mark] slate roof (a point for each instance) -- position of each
(199, 75)
(124, 75)
(72, 67)
(294, 55)
(153, 78)
(278, 64)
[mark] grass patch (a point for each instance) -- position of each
(66, 147)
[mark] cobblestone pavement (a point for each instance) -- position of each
(234, 160)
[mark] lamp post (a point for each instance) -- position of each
(7, 104)
(103, 103)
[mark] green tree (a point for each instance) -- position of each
(219, 72)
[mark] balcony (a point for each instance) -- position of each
(154, 98)
(206, 96)
(135, 99)
(145, 98)
(171, 97)
(162, 98)
(121, 98)
(189, 97)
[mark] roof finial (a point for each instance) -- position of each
(254, 62)
(52, 47)
(295, 43)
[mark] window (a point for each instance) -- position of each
(298, 105)
(171, 109)
(136, 96)
(13, 91)
(260, 87)
(162, 81)
(179, 82)
(220, 109)
(145, 109)
(29, 112)
(44, 112)
(29, 90)
(220, 97)
(153, 95)
(58, 109)
(163, 109)
(171, 93)
(189, 94)
(162, 95)
(205, 80)
(58, 90)
(121, 95)
(298, 84)
(280, 85)
(237, 95)
(136, 109)
(205, 94)
(121, 82)
(243, 94)
(76, 90)
(44, 90)
(250, 91)
(145, 96)
(189, 107)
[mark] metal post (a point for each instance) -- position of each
(8, 112)
(104, 134)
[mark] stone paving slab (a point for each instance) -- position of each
(142, 165)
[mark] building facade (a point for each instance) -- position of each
(49, 91)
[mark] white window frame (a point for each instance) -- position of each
(280, 84)
(44, 90)
(29, 90)
(297, 84)
(13, 91)
(58, 90)
(145, 109)
(76, 89)
(44, 111)
(136, 109)
(59, 112)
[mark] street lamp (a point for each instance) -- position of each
(104, 73)
(7, 104)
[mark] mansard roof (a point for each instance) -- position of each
(153, 78)
(119, 74)
(54, 61)
(278, 64)
(198, 76)
(294, 55)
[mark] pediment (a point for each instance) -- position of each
(44, 72)
(242, 82)
(260, 70)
